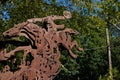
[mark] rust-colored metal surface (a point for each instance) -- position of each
(45, 42)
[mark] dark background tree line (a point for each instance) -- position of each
(89, 18)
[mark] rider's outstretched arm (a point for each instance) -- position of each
(35, 20)
(66, 15)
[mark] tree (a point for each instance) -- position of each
(88, 18)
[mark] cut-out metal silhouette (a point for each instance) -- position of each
(45, 42)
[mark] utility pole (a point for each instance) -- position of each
(109, 53)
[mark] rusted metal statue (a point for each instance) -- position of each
(44, 46)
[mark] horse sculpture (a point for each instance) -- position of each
(45, 48)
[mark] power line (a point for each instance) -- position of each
(95, 48)
(116, 26)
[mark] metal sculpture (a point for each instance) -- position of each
(44, 46)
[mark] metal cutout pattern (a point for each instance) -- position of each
(45, 48)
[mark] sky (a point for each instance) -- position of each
(67, 3)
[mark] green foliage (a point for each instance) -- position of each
(116, 75)
(93, 61)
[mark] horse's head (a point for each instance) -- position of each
(29, 30)
(14, 31)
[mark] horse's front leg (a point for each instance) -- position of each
(11, 53)
(2, 53)
(72, 54)
(74, 43)
(26, 51)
